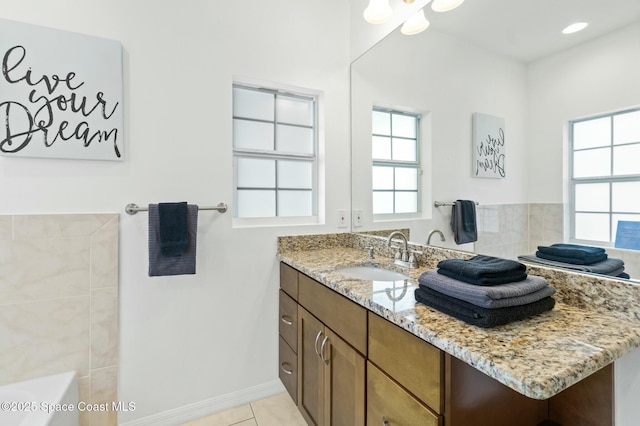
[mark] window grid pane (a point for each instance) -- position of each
(396, 165)
(605, 174)
(274, 146)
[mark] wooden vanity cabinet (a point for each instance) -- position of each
(288, 330)
(331, 375)
(330, 348)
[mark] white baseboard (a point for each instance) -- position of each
(209, 406)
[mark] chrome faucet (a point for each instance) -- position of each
(435, 231)
(403, 258)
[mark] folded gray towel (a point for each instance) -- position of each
(180, 264)
(532, 289)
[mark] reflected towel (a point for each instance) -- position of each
(483, 270)
(532, 289)
(463, 221)
(479, 316)
(159, 264)
(587, 260)
(611, 266)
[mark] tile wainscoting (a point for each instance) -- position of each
(59, 303)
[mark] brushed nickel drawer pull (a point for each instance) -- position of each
(324, 342)
(286, 319)
(282, 367)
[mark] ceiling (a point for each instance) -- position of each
(531, 29)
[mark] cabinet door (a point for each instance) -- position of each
(344, 382)
(389, 404)
(310, 368)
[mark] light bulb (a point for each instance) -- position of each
(378, 12)
(574, 28)
(445, 5)
(415, 24)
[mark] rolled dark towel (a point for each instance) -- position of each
(483, 270)
(173, 229)
(478, 316)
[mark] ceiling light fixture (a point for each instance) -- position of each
(445, 5)
(417, 23)
(378, 12)
(574, 28)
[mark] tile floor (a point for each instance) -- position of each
(277, 410)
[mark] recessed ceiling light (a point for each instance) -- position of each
(574, 28)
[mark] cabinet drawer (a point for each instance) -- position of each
(412, 362)
(288, 320)
(289, 280)
(340, 314)
(388, 403)
(287, 369)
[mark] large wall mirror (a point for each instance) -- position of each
(506, 59)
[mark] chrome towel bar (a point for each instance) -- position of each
(132, 208)
(440, 204)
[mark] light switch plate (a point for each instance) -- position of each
(342, 218)
(357, 218)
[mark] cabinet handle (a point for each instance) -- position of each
(324, 342)
(282, 367)
(286, 319)
(385, 422)
(315, 345)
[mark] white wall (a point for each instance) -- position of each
(447, 80)
(592, 78)
(186, 339)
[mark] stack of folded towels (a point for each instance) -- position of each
(579, 258)
(485, 291)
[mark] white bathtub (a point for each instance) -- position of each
(46, 401)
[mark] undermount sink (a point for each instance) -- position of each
(372, 273)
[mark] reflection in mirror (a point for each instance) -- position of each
(514, 63)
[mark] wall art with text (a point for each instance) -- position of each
(488, 146)
(61, 94)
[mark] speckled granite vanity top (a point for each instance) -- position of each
(595, 320)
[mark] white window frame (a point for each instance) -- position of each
(417, 164)
(317, 203)
(603, 179)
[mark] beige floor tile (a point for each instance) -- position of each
(233, 416)
(250, 422)
(277, 410)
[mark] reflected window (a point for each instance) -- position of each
(605, 175)
(274, 153)
(396, 162)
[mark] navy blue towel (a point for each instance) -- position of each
(483, 270)
(174, 233)
(572, 253)
(463, 221)
(159, 264)
(479, 316)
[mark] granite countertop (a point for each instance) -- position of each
(538, 357)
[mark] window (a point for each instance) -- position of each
(396, 164)
(274, 151)
(605, 174)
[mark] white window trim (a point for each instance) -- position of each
(608, 179)
(319, 170)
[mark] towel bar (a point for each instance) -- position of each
(133, 208)
(440, 204)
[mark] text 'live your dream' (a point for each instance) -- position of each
(53, 108)
(490, 154)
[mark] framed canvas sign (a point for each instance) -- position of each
(60, 94)
(488, 146)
